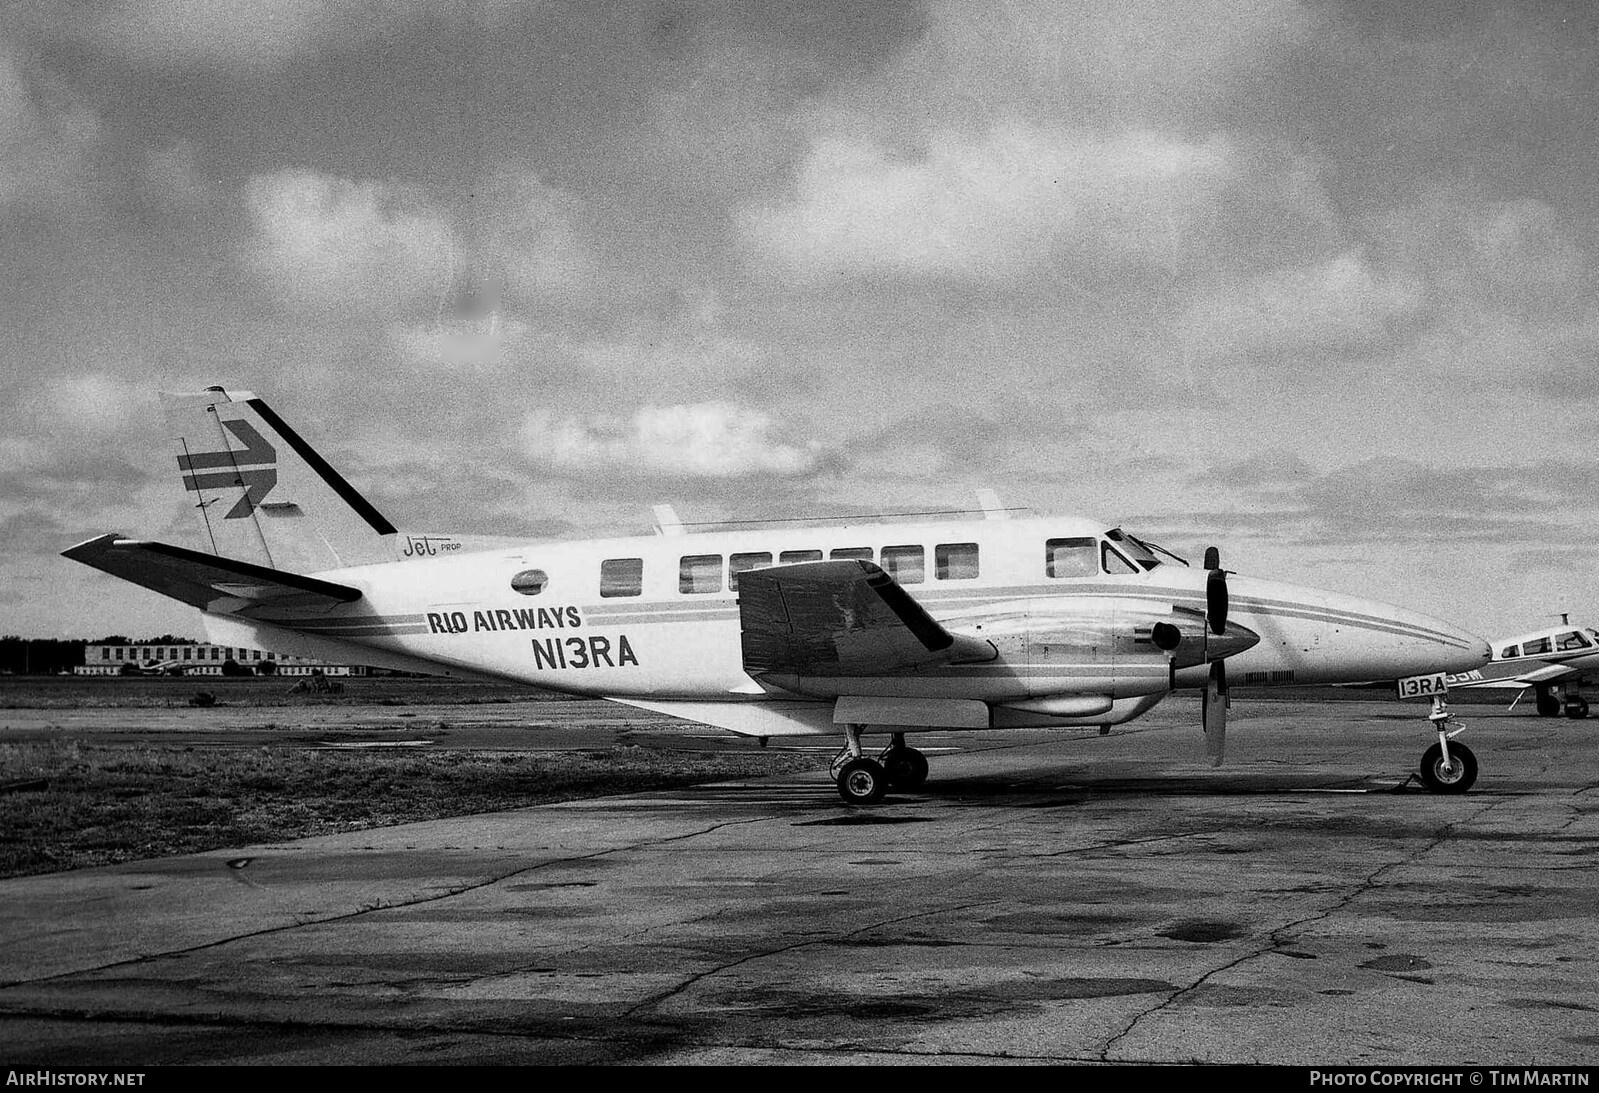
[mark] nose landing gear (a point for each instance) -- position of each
(1447, 767)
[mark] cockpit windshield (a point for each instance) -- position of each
(1140, 550)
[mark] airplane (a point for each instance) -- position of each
(1551, 663)
(154, 668)
(859, 628)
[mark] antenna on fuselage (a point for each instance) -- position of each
(666, 520)
(993, 508)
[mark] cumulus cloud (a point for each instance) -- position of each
(703, 440)
(992, 206)
(326, 242)
(1338, 306)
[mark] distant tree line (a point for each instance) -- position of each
(50, 656)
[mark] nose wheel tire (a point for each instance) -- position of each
(862, 782)
(1456, 776)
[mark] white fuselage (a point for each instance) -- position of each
(654, 619)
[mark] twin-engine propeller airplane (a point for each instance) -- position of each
(1551, 663)
(866, 628)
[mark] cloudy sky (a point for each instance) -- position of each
(1313, 281)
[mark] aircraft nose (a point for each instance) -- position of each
(1347, 639)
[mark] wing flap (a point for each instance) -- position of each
(841, 618)
(206, 581)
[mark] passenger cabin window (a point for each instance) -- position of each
(700, 573)
(530, 582)
(955, 561)
(1510, 651)
(621, 577)
(741, 563)
(862, 553)
(906, 564)
(1536, 646)
(1113, 562)
(794, 557)
(1571, 639)
(1070, 557)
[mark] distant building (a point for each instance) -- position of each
(201, 659)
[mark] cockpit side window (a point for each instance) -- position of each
(1113, 562)
(1138, 550)
(1511, 652)
(1536, 646)
(1073, 557)
(1571, 639)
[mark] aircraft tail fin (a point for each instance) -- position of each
(263, 495)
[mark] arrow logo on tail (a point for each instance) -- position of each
(234, 468)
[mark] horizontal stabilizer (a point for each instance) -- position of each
(206, 581)
(840, 618)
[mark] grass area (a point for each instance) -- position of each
(115, 692)
(103, 804)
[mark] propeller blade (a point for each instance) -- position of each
(1216, 601)
(1215, 592)
(1214, 712)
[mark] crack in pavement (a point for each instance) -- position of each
(776, 950)
(368, 909)
(1275, 940)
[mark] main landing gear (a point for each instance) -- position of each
(1570, 703)
(863, 781)
(1447, 767)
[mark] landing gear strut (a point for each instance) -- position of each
(861, 781)
(1447, 767)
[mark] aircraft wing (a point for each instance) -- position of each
(207, 581)
(840, 618)
(1515, 675)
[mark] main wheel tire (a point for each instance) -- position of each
(1455, 777)
(862, 782)
(906, 767)
(1548, 705)
(1577, 709)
